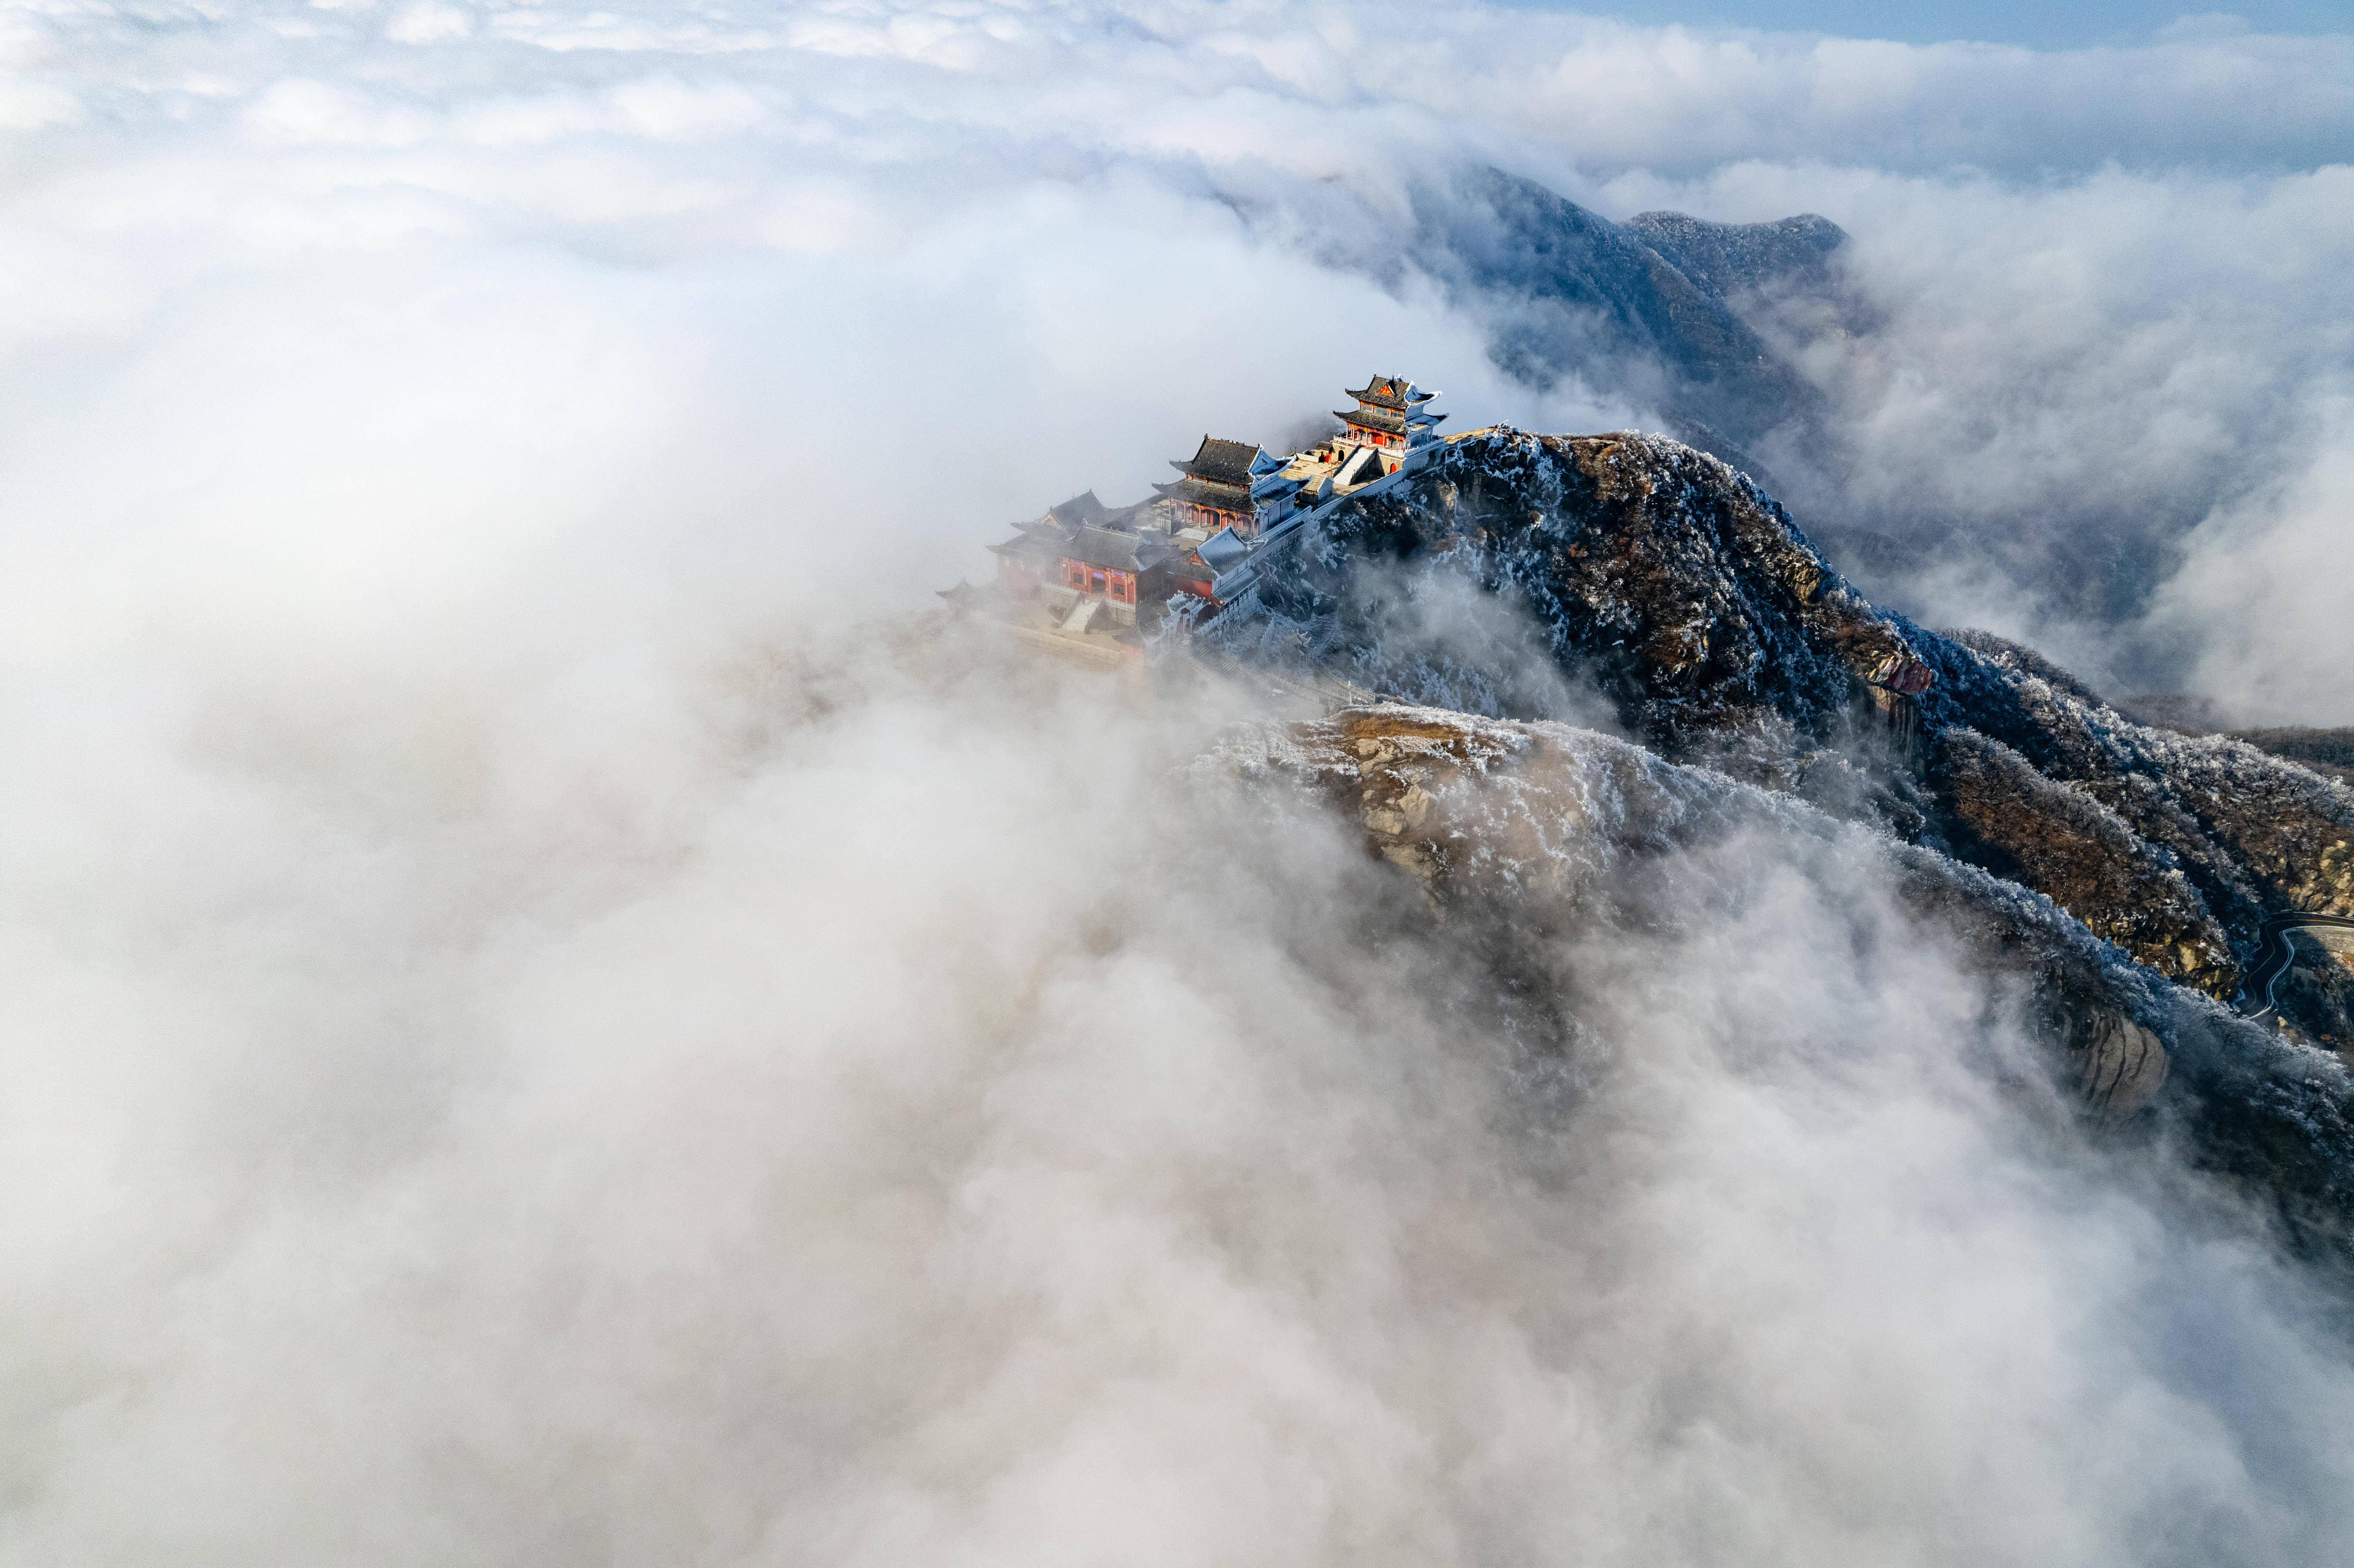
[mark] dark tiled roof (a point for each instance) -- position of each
(1220, 462)
(1383, 392)
(1376, 420)
(1224, 497)
(1076, 513)
(1039, 547)
(1114, 551)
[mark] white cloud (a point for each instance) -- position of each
(301, 111)
(29, 106)
(2108, 358)
(765, 1140)
(529, 1042)
(429, 22)
(2092, 344)
(2263, 593)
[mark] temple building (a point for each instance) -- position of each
(1215, 492)
(1388, 414)
(1034, 557)
(1119, 566)
(1099, 577)
(1390, 424)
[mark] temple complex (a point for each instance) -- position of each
(1091, 580)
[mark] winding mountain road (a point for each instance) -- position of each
(2277, 954)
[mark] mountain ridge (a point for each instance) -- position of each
(1660, 307)
(1681, 595)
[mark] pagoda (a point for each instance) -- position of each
(1389, 414)
(1215, 493)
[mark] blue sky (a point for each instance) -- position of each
(2043, 25)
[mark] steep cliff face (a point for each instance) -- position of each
(1658, 579)
(1524, 837)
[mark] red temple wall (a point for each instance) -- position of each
(1210, 518)
(1104, 580)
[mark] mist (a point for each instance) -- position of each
(835, 1108)
(2102, 291)
(552, 1016)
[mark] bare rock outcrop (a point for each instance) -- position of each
(1549, 830)
(2120, 1065)
(1658, 577)
(1534, 816)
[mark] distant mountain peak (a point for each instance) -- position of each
(1654, 309)
(1732, 259)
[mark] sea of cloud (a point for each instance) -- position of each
(538, 1030)
(866, 1105)
(746, 258)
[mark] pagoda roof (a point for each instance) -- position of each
(1375, 418)
(1220, 462)
(1223, 497)
(1393, 392)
